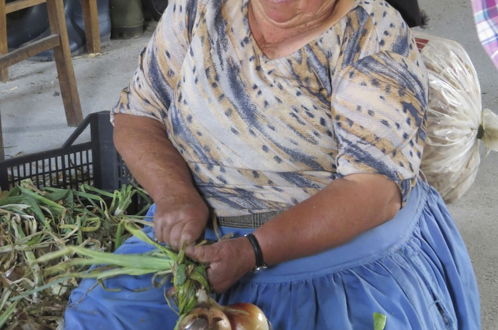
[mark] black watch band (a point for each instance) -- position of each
(260, 263)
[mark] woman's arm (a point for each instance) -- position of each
(181, 213)
(344, 209)
(140, 136)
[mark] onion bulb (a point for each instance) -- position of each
(205, 317)
(244, 316)
(212, 316)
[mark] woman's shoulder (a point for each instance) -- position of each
(215, 7)
(379, 11)
(188, 8)
(213, 11)
(380, 18)
(374, 26)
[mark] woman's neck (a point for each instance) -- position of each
(282, 38)
(293, 14)
(303, 22)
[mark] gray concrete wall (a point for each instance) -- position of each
(33, 120)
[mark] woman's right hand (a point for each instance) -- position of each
(180, 219)
(181, 213)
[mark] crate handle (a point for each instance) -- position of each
(82, 126)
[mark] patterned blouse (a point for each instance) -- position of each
(263, 134)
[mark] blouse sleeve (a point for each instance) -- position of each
(151, 89)
(379, 103)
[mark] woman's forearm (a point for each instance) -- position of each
(335, 215)
(181, 213)
(151, 157)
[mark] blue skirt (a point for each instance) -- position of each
(414, 269)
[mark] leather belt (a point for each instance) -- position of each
(247, 221)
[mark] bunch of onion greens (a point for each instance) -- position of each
(188, 278)
(34, 222)
(189, 291)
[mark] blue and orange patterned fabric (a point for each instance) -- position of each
(263, 134)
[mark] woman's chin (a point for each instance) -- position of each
(278, 10)
(280, 15)
(278, 1)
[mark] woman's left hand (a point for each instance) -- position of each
(228, 261)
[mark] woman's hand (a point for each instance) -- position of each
(181, 213)
(228, 261)
(180, 219)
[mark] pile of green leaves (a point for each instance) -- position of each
(38, 222)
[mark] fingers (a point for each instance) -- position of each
(162, 229)
(177, 234)
(174, 234)
(179, 227)
(228, 261)
(204, 254)
(189, 233)
(218, 283)
(218, 276)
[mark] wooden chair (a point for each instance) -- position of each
(58, 41)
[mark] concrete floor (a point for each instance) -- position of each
(33, 120)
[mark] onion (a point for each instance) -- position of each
(209, 315)
(245, 316)
(205, 317)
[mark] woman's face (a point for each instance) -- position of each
(287, 11)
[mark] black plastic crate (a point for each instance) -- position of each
(95, 162)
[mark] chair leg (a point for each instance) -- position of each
(2, 148)
(91, 18)
(63, 60)
(4, 48)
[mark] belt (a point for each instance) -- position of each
(246, 221)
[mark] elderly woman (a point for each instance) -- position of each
(300, 123)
